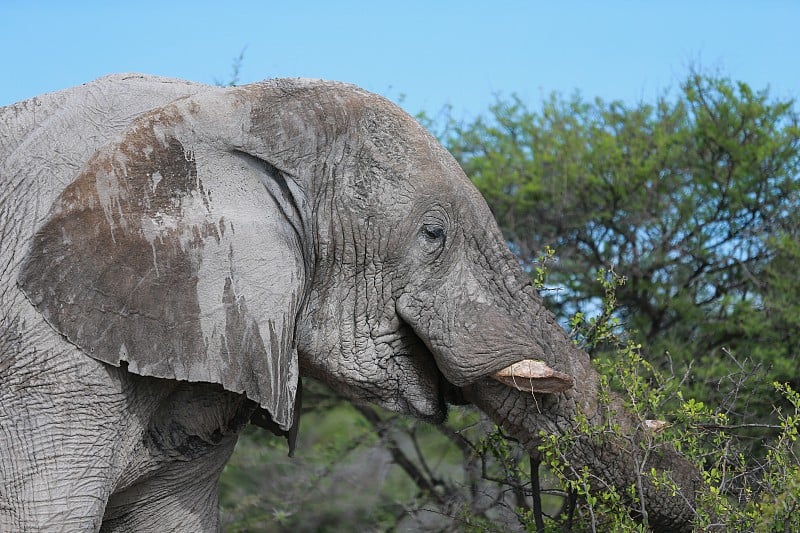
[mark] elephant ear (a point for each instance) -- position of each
(181, 255)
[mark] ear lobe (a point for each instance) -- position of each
(169, 253)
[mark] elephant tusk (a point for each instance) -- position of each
(534, 376)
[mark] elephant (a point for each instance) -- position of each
(175, 256)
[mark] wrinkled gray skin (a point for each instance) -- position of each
(173, 256)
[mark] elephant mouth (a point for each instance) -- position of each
(531, 375)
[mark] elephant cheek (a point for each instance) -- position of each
(400, 376)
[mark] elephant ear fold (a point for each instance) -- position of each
(181, 258)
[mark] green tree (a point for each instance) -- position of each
(692, 198)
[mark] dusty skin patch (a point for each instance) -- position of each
(117, 270)
(94, 272)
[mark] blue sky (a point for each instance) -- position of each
(431, 53)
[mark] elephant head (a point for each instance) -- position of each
(233, 236)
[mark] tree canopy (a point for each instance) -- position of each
(693, 199)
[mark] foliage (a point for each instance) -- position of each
(694, 198)
(236, 71)
(359, 467)
(740, 493)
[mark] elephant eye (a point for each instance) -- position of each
(432, 235)
(433, 232)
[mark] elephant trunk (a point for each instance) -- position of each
(539, 381)
(619, 459)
